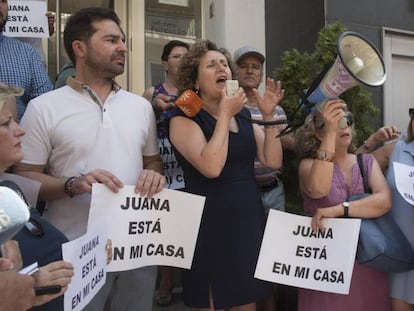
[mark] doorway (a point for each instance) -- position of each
(148, 25)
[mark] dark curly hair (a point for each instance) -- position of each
(188, 68)
(166, 51)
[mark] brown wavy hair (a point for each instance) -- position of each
(306, 137)
(188, 69)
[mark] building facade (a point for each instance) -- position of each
(273, 26)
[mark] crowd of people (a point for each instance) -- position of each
(54, 144)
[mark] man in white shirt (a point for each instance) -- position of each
(92, 131)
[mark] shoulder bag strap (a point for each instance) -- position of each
(362, 170)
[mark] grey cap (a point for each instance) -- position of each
(245, 51)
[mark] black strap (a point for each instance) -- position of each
(367, 189)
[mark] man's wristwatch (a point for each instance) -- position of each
(346, 208)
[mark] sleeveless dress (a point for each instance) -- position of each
(402, 284)
(369, 290)
(232, 224)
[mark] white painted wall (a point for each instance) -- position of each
(235, 23)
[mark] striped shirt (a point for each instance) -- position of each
(265, 175)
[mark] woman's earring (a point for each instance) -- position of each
(197, 91)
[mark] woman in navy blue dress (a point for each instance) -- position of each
(216, 149)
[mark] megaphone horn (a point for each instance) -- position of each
(357, 62)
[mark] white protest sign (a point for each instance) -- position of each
(292, 254)
(27, 19)
(404, 181)
(162, 230)
(88, 257)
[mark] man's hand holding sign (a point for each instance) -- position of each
(161, 230)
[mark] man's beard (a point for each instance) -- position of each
(105, 70)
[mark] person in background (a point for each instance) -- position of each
(400, 151)
(21, 66)
(37, 43)
(216, 149)
(91, 131)
(379, 138)
(249, 72)
(162, 97)
(68, 70)
(328, 175)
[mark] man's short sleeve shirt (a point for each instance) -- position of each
(20, 65)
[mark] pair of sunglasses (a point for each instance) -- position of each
(349, 120)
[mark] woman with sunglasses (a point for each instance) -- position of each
(400, 151)
(38, 240)
(328, 175)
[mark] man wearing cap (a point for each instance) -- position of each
(249, 72)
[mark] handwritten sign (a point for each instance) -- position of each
(88, 257)
(162, 230)
(293, 254)
(27, 19)
(404, 181)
